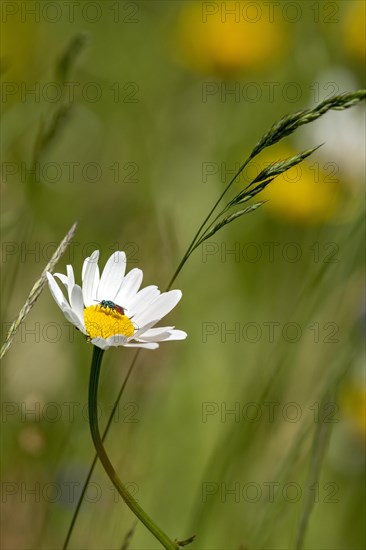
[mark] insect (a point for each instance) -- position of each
(111, 305)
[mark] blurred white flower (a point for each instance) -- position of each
(343, 133)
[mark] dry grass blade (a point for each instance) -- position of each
(69, 56)
(37, 289)
(128, 538)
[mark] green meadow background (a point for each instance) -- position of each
(131, 117)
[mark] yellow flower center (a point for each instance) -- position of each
(103, 322)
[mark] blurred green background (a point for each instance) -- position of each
(133, 116)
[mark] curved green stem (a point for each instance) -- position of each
(91, 469)
(103, 457)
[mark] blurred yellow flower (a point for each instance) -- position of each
(17, 67)
(18, 42)
(306, 194)
(354, 30)
(354, 407)
(228, 37)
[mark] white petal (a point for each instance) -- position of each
(142, 330)
(131, 284)
(70, 280)
(76, 301)
(163, 336)
(159, 308)
(72, 317)
(85, 264)
(157, 338)
(70, 274)
(112, 276)
(63, 278)
(91, 279)
(117, 340)
(177, 335)
(157, 331)
(142, 300)
(56, 292)
(142, 345)
(100, 343)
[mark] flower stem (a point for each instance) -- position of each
(91, 469)
(103, 457)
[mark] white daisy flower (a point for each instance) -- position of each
(110, 309)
